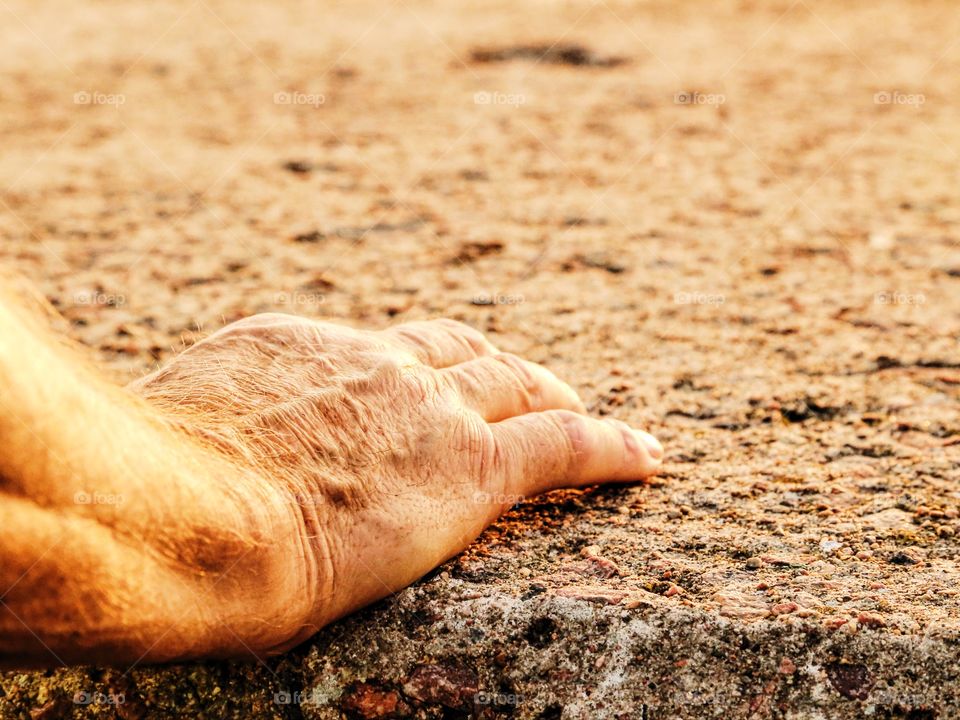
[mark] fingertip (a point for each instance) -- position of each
(643, 449)
(652, 444)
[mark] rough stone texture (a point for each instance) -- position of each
(771, 284)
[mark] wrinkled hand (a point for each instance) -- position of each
(391, 450)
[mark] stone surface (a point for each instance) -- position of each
(733, 223)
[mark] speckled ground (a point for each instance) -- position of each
(733, 223)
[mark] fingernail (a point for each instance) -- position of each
(653, 445)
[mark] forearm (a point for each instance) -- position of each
(66, 434)
(119, 537)
(75, 593)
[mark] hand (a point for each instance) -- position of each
(391, 452)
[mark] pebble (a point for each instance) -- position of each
(905, 557)
(784, 608)
(754, 563)
(828, 546)
(871, 620)
(300, 167)
(835, 623)
(787, 667)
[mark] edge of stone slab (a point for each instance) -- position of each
(547, 657)
(445, 650)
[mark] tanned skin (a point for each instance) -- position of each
(274, 477)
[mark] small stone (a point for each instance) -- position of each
(905, 557)
(851, 681)
(754, 563)
(787, 667)
(312, 236)
(372, 702)
(829, 546)
(300, 167)
(871, 620)
(451, 687)
(784, 608)
(835, 623)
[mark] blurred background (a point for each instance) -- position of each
(589, 179)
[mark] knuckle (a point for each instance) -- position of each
(473, 438)
(473, 337)
(418, 336)
(522, 375)
(575, 432)
(518, 367)
(452, 324)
